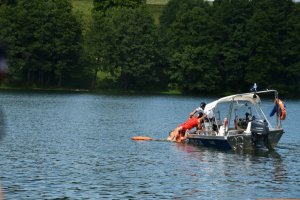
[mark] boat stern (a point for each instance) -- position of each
(273, 138)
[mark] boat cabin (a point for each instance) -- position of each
(233, 115)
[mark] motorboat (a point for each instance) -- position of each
(239, 123)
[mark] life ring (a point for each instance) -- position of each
(282, 112)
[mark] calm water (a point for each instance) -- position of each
(77, 146)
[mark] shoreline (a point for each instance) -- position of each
(112, 91)
(128, 92)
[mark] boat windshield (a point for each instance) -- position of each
(238, 113)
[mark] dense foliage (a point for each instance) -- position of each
(229, 45)
(224, 46)
(2, 51)
(126, 45)
(104, 5)
(44, 40)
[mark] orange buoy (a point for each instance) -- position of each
(282, 113)
(141, 138)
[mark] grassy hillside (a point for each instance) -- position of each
(84, 8)
(157, 2)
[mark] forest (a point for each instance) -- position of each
(197, 46)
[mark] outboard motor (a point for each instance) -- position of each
(259, 130)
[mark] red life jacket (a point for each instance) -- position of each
(190, 123)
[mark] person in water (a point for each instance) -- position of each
(179, 133)
(241, 124)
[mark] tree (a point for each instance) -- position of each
(2, 51)
(99, 30)
(67, 40)
(8, 2)
(231, 37)
(170, 11)
(291, 56)
(44, 40)
(126, 45)
(267, 30)
(104, 5)
(190, 46)
(229, 45)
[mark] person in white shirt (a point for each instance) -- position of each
(198, 110)
(208, 115)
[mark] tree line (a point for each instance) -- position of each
(224, 46)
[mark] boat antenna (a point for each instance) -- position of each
(254, 89)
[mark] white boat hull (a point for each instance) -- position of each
(237, 141)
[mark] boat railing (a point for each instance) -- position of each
(206, 132)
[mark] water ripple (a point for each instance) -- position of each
(77, 146)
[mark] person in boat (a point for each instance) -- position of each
(208, 115)
(179, 133)
(241, 124)
(198, 110)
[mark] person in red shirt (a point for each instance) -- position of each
(179, 133)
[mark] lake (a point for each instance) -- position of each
(78, 146)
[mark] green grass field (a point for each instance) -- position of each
(84, 8)
(157, 2)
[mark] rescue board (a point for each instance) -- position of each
(145, 138)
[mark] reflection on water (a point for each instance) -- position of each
(78, 146)
(2, 134)
(242, 169)
(2, 124)
(249, 158)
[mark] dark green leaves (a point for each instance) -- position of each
(127, 44)
(228, 45)
(198, 46)
(44, 40)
